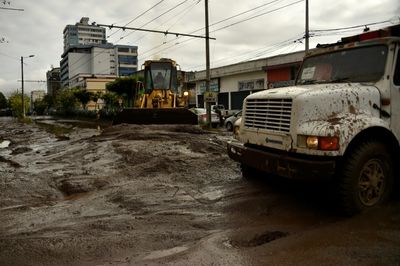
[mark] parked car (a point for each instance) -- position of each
(202, 116)
(230, 121)
(6, 112)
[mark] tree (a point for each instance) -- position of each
(3, 101)
(110, 100)
(95, 97)
(40, 106)
(49, 100)
(125, 88)
(15, 102)
(83, 96)
(66, 101)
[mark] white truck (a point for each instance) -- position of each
(340, 122)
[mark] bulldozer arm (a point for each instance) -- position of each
(156, 116)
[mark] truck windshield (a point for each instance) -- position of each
(364, 64)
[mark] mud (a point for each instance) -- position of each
(166, 195)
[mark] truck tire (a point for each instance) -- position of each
(366, 178)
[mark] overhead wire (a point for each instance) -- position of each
(237, 15)
(257, 53)
(256, 16)
(162, 14)
(351, 27)
(223, 20)
(137, 17)
(184, 13)
(230, 25)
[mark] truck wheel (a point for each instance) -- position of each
(366, 178)
(229, 126)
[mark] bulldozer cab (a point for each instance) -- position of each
(160, 75)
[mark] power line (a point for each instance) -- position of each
(13, 9)
(184, 13)
(352, 27)
(244, 12)
(237, 15)
(6, 55)
(142, 14)
(262, 14)
(259, 52)
(169, 10)
(216, 23)
(155, 31)
(233, 24)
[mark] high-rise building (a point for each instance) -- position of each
(126, 59)
(86, 52)
(83, 33)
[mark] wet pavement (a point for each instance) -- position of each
(166, 195)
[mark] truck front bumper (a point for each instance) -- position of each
(282, 163)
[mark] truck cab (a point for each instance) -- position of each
(341, 121)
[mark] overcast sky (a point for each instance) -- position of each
(271, 28)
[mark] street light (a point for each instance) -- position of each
(22, 83)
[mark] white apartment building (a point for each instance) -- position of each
(83, 33)
(104, 59)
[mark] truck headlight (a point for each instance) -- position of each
(236, 128)
(319, 142)
(312, 142)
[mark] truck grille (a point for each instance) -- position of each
(268, 114)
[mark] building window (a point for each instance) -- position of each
(123, 50)
(126, 71)
(127, 60)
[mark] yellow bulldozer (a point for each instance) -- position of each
(158, 99)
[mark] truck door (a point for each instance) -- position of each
(395, 97)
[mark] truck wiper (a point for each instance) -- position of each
(339, 80)
(308, 81)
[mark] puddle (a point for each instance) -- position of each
(164, 253)
(4, 144)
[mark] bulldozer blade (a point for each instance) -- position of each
(155, 116)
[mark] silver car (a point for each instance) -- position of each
(202, 116)
(230, 121)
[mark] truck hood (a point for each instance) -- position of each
(312, 89)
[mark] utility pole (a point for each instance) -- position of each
(307, 35)
(22, 85)
(208, 104)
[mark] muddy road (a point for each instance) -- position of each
(166, 195)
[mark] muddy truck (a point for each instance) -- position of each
(158, 100)
(340, 122)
